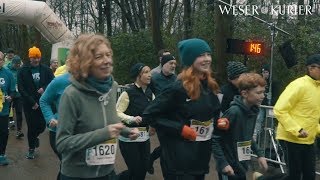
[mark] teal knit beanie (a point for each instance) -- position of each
(190, 49)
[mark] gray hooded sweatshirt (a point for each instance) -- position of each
(85, 115)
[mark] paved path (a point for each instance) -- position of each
(45, 166)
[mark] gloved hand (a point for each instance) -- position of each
(188, 133)
(223, 124)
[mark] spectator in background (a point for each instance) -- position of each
(229, 90)
(33, 78)
(158, 82)
(298, 113)
(7, 85)
(161, 53)
(62, 69)
(167, 75)
(9, 56)
(17, 103)
(54, 65)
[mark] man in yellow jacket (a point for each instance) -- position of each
(298, 113)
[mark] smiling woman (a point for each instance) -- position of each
(88, 124)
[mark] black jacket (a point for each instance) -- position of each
(242, 122)
(27, 87)
(228, 91)
(138, 101)
(168, 113)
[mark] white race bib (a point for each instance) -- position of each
(204, 129)
(143, 136)
(102, 154)
(244, 150)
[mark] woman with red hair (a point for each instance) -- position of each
(184, 112)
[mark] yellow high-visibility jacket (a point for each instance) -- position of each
(1, 100)
(299, 107)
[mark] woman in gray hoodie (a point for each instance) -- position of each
(88, 123)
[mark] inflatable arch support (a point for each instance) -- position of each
(39, 15)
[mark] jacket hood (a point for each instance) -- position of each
(238, 101)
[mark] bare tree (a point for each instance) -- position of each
(155, 24)
(223, 30)
(187, 19)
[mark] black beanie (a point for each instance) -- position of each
(10, 50)
(313, 59)
(190, 49)
(235, 69)
(136, 69)
(167, 58)
(265, 67)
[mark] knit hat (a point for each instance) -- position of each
(34, 52)
(10, 50)
(265, 67)
(16, 59)
(190, 49)
(313, 59)
(136, 69)
(235, 69)
(167, 58)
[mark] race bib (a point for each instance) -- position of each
(204, 129)
(143, 136)
(244, 150)
(102, 154)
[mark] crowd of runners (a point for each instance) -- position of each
(195, 118)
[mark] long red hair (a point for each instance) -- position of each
(191, 82)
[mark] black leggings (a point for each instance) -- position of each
(17, 105)
(36, 124)
(301, 161)
(136, 156)
(4, 133)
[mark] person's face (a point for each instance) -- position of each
(203, 63)
(54, 65)
(314, 71)
(265, 74)
(169, 67)
(34, 62)
(16, 65)
(10, 55)
(145, 76)
(102, 66)
(254, 96)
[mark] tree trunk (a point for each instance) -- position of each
(141, 16)
(155, 24)
(100, 17)
(125, 9)
(223, 30)
(107, 12)
(171, 16)
(187, 19)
